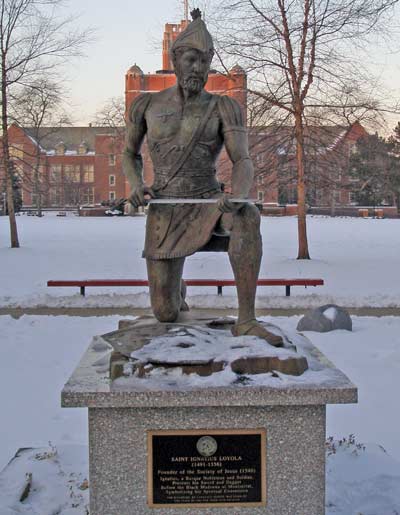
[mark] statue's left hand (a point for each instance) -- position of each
(137, 197)
(226, 206)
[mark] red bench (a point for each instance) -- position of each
(219, 283)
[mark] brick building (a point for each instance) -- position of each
(76, 165)
(82, 165)
(327, 149)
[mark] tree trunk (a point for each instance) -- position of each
(301, 189)
(6, 160)
(38, 190)
(333, 202)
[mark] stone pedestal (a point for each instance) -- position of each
(291, 412)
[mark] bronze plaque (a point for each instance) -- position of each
(210, 467)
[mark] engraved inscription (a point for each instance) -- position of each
(207, 468)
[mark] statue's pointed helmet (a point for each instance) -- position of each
(195, 36)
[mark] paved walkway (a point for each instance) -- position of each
(101, 312)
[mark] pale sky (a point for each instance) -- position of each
(130, 31)
(127, 32)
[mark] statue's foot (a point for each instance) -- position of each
(254, 328)
(184, 305)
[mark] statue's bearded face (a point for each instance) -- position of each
(191, 68)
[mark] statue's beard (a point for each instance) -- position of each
(192, 85)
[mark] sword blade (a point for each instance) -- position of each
(198, 201)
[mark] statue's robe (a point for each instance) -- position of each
(179, 230)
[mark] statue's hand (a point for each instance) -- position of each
(137, 196)
(226, 206)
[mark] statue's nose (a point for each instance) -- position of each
(196, 66)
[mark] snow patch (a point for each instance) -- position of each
(330, 313)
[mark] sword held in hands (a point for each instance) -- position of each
(215, 200)
(199, 200)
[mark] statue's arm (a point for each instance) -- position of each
(132, 161)
(236, 143)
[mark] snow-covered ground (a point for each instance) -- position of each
(38, 353)
(358, 260)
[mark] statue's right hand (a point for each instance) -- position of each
(137, 197)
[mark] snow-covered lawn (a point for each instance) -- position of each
(359, 261)
(38, 353)
(357, 258)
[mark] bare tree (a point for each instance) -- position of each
(112, 114)
(299, 55)
(39, 108)
(34, 42)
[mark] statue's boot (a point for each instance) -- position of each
(184, 305)
(254, 328)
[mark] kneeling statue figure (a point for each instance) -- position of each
(186, 128)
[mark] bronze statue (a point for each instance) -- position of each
(186, 128)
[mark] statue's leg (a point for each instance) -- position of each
(245, 252)
(184, 304)
(165, 287)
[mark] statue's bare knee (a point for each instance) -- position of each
(250, 216)
(245, 233)
(165, 301)
(165, 288)
(166, 310)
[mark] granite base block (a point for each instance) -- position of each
(290, 409)
(295, 456)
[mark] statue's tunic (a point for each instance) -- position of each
(179, 230)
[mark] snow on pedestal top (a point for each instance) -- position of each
(90, 384)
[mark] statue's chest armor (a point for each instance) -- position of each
(168, 125)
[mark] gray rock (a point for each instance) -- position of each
(326, 318)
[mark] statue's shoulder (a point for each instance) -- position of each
(164, 95)
(138, 106)
(230, 111)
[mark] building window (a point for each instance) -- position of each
(111, 196)
(352, 198)
(88, 173)
(55, 196)
(352, 148)
(72, 173)
(17, 151)
(260, 196)
(88, 196)
(111, 159)
(83, 148)
(71, 195)
(111, 180)
(55, 173)
(260, 179)
(337, 197)
(60, 148)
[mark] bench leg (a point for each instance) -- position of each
(219, 290)
(287, 290)
(82, 291)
